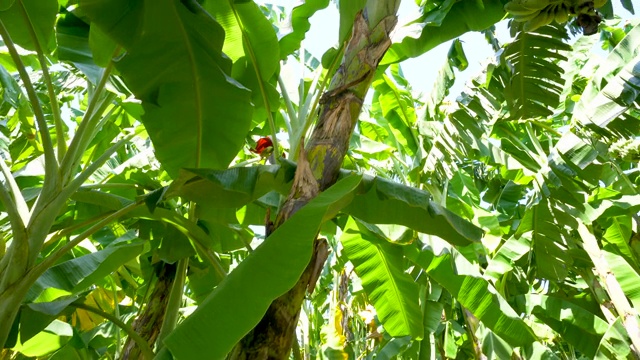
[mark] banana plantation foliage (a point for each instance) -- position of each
(183, 180)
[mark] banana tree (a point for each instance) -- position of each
(170, 231)
(58, 137)
(536, 160)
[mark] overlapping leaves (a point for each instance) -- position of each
(187, 91)
(536, 83)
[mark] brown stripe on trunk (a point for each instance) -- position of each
(318, 169)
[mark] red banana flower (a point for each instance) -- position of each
(264, 147)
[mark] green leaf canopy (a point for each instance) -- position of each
(195, 113)
(380, 266)
(239, 302)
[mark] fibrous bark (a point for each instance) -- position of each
(318, 169)
(149, 323)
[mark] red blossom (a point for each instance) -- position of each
(262, 145)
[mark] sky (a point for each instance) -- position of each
(421, 71)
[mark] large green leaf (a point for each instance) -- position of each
(40, 15)
(615, 85)
(240, 301)
(395, 106)
(537, 80)
(576, 151)
(504, 260)
(348, 11)
(247, 33)
(444, 81)
(73, 39)
(300, 24)
(120, 19)
(471, 133)
(538, 351)
(614, 205)
(88, 48)
(615, 343)
(625, 274)
(252, 45)
(377, 201)
(195, 113)
(393, 348)
(495, 348)
(77, 274)
(379, 264)
(35, 317)
(12, 92)
(198, 238)
(381, 201)
(102, 46)
(474, 293)
(548, 239)
(233, 187)
(444, 24)
(576, 325)
(511, 145)
(627, 4)
(617, 236)
(53, 338)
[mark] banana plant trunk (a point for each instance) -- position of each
(318, 167)
(149, 323)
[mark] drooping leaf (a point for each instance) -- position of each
(300, 24)
(456, 55)
(613, 205)
(537, 80)
(195, 113)
(514, 147)
(12, 93)
(53, 338)
(444, 81)
(576, 325)
(383, 202)
(393, 348)
(625, 274)
(443, 24)
(174, 246)
(615, 85)
(104, 200)
(510, 252)
(379, 264)
(474, 293)
(548, 240)
(618, 235)
(495, 348)
(233, 187)
(395, 106)
(239, 301)
(378, 201)
(40, 15)
(252, 45)
(35, 317)
(538, 351)
(615, 343)
(627, 4)
(77, 274)
(69, 352)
